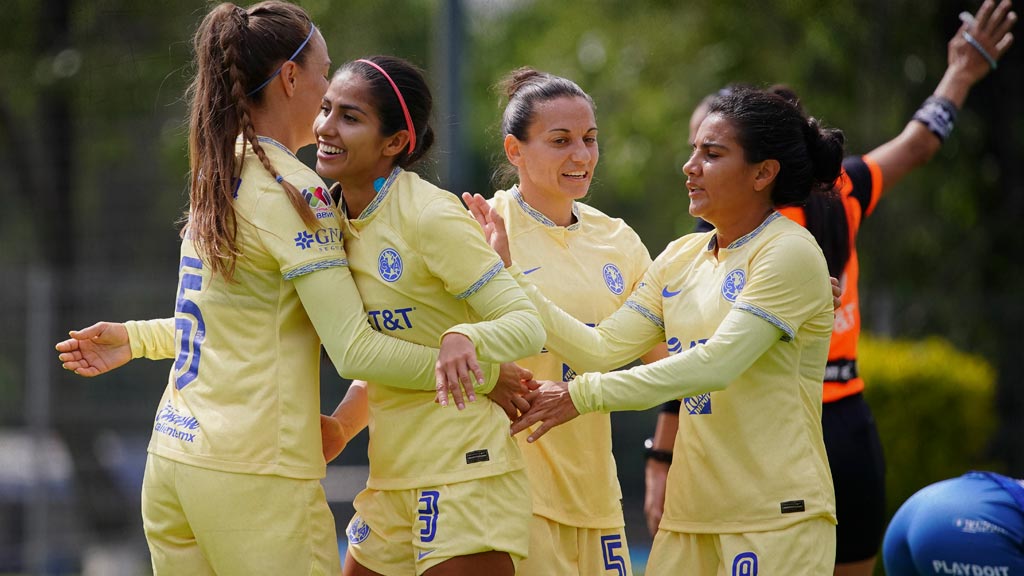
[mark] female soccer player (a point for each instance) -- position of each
(232, 479)
(587, 263)
(854, 450)
(747, 317)
(973, 524)
(447, 493)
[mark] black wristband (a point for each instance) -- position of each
(650, 453)
(938, 115)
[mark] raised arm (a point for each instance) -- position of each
(973, 51)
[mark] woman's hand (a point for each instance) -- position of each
(332, 436)
(837, 293)
(457, 369)
(655, 477)
(550, 405)
(990, 29)
(95, 350)
(492, 223)
(514, 382)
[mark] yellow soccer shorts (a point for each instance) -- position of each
(807, 548)
(411, 531)
(559, 549)
(200, 521)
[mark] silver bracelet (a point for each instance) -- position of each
(966, 18)
(981, 49)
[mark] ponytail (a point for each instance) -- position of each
(235, 49)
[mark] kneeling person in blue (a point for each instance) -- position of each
(970, 525)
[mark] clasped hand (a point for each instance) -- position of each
(550, 405)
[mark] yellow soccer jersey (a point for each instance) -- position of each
(749, 452)
(418, 259)
(248, 403)
(588, 269)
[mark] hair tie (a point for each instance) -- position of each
(312, 28)
(405, 109)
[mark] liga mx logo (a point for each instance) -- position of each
(389, 265)
(358, 530)
(319, 201)
(613, 279)
(733, 285)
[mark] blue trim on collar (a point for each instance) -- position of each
(739, 242)
(276, 144)
(538, 216)
(381, 194)
(750, 235)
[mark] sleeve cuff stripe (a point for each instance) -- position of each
(314, 266)
(770, 318)
(654, 318)
(487, 277)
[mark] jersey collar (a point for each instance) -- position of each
(742, 240)
(539, 217)
(275, 144)
(382, 192)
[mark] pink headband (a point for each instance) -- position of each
(405, 109)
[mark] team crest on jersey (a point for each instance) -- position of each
(613, 279)
(358, 530)
(319, 200)
(733, 285)
(389, 265)
(699, 404)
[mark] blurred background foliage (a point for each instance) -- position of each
(933, 405)
(92, 146)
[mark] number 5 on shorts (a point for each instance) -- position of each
(613, 561)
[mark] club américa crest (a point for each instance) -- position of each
(733, 284)
(613, 279)
(389, 265)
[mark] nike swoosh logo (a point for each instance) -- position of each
(531, 270)
(423, 555)
(668, 293)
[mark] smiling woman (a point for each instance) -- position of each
(752, 299)
(588, 263)
(424, 271)
(232, 482)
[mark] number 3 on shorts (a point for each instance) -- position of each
(186, 366)
(613, 561)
